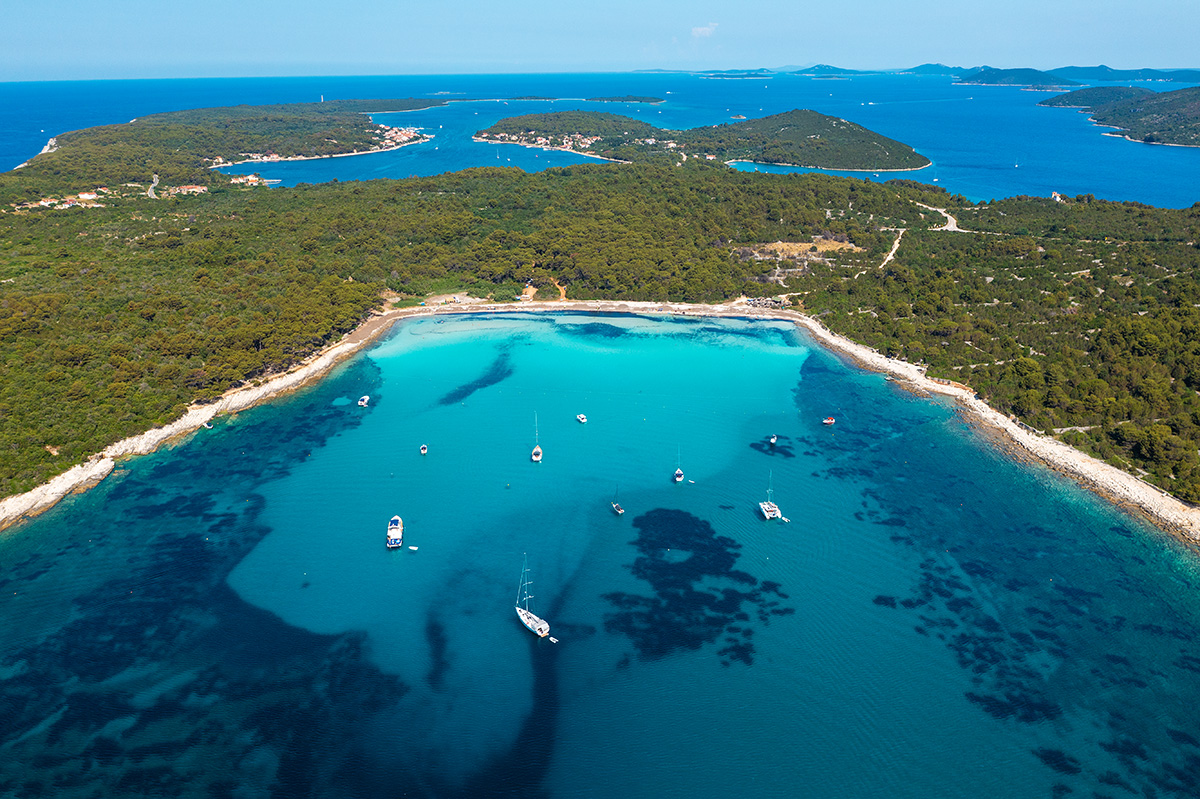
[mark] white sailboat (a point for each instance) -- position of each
(616, 506)
(539, 627)
(536, 455)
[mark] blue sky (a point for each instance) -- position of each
(79, 39)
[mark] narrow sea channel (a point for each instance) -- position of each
(936, 620)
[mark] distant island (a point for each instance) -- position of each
(798, 137)
(1015, 77)
(1140, 114)
(1094, 96)
(981, 75)
(628, 98)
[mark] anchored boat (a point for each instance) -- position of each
(536, 455)
(769, 509)
(537, 626)
(395, 533)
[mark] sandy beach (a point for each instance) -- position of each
(1121, 488)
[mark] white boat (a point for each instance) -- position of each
(828, 420)
(537, 626)
(424, 449)
(678, 477)
(363, 400)
(536, 455)
(395, 533)
(774, 438)
(582, 419)
(616, 506)
(769, 509)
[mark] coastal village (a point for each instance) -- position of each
(387, 138)
(580, 143)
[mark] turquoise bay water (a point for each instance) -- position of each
(936, 620)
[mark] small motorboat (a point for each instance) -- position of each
(395, 533)
(363, 400)
(414, 549)
(208, 426)
(424, 450)
(827, 420)
(582, 419)
(774, 438)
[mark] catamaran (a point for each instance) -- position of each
(539, 627)
(582, 419)
(536, 455)
(395, 533)
(769, 509)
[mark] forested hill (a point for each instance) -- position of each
(799, 137)
(1015, 77)
(1154, 117)
(179, 146)
(1167, 117)
(1095, 96)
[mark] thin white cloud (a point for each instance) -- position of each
(704, 31)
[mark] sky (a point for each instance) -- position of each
(85, 39)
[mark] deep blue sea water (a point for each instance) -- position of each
(985, 142)
(936, 620)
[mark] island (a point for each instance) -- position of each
(1095, 96)
(1029, 78)
(798, 138)
(121, 320)
(628, 98)
(1139, 114)
(182, 147)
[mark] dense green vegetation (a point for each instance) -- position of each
(1167, 117)
(799, 137)
(1094, 96)
(1080, 314)
(180, 146)
(1015, 77)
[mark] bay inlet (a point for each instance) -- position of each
(936, 620)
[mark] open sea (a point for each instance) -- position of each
(936, 619)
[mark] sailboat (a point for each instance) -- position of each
(616, 506)
(678, 477)
(536, 455)
(539, 627)
(769, 509)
